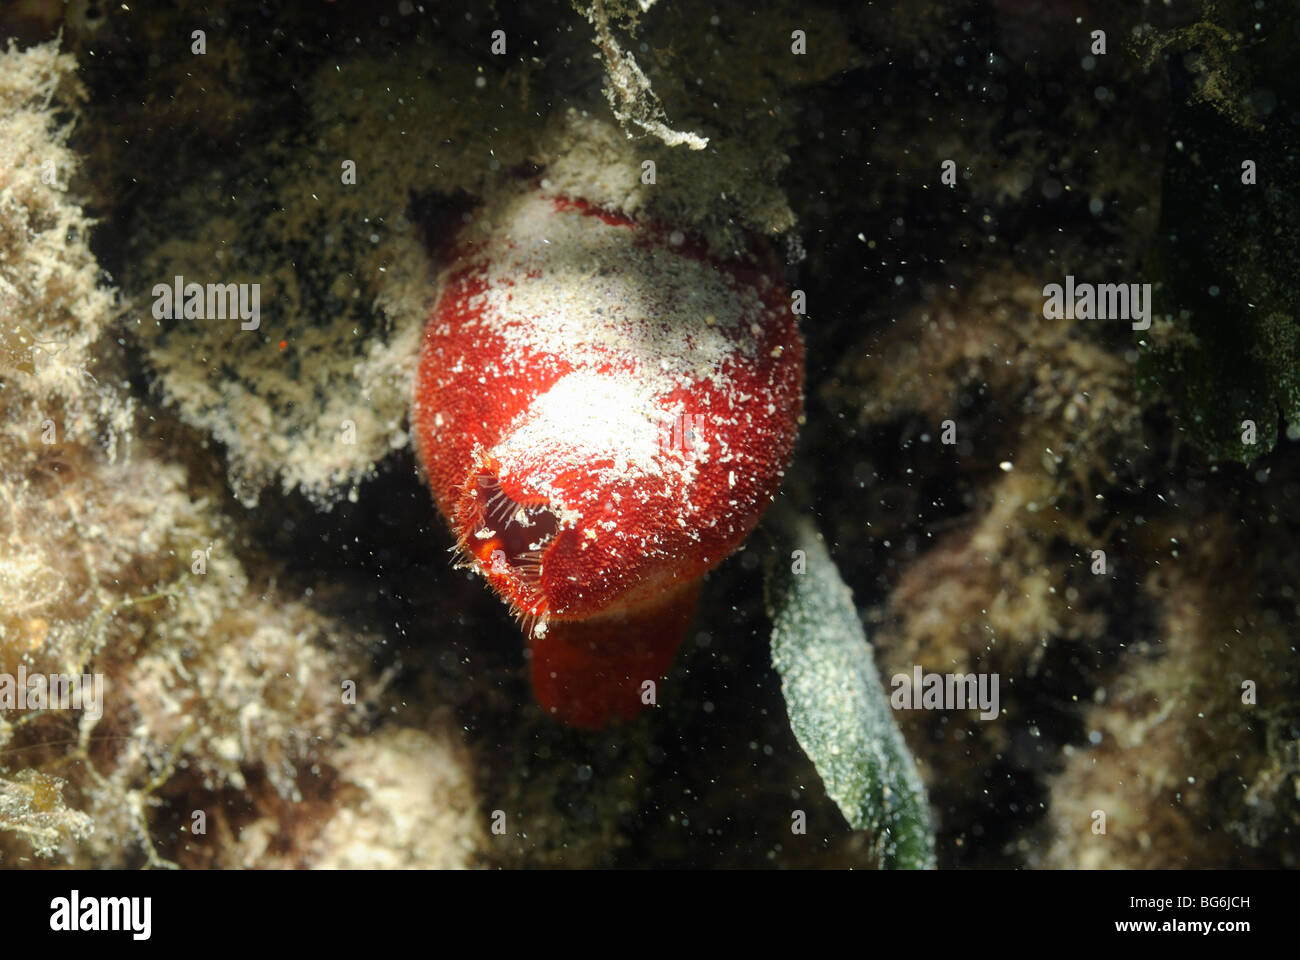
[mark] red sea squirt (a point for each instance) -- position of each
(603, 411)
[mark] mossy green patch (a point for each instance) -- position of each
(1225, 347)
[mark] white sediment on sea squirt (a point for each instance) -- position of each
(635, 320)
(609, 295)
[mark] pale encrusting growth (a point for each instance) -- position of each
(1191, 754)
(51, 408)
(415, 805)
(52, 308)
(117, 561)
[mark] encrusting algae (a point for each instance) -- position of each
(116, 561)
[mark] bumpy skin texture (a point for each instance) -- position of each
(603, 413)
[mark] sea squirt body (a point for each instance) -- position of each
(603, 411)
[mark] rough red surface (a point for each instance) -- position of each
(603, 413)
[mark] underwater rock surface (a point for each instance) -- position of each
(226, 522)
